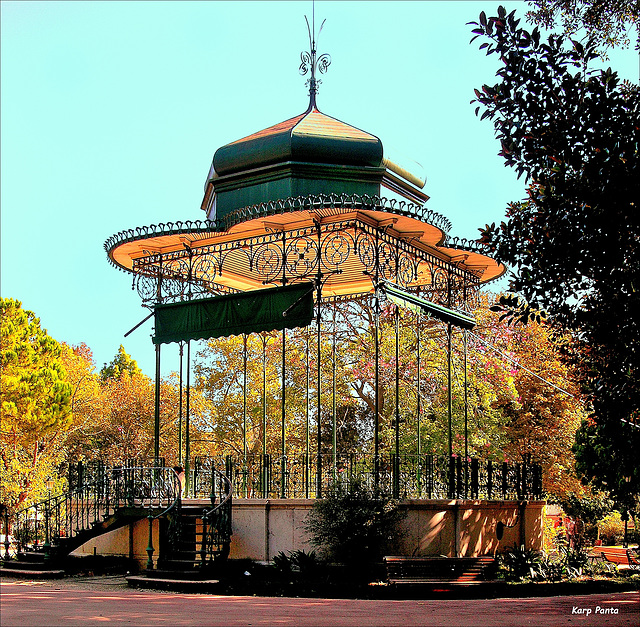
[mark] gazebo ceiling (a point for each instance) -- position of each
(274, 246)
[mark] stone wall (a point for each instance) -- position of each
(264, 527)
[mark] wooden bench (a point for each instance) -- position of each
(452, 571)
(621, 557)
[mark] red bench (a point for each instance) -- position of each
(621, 557)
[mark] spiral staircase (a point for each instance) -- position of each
(194, 533)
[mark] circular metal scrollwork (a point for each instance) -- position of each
(336, 250)
(440, 285)
(387, 261)
(172, 288)
(365, 247)
(147, 287)
(204, 270)
(407, 269)
(177, 269)
(268, 260)
(302, 256)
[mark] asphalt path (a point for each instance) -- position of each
(106, 601)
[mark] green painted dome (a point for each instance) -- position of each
(311, 153)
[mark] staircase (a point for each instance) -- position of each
(101, 499)
(31, 564)
(195, 538)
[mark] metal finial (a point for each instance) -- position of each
(309, 62)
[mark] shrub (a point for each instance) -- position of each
(519, 563)
(353, 524)
(611, 529)
(307, 564)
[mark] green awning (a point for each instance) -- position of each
(272, 309)
(420, 305)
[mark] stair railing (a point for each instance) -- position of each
(97, 494)
(216, 521)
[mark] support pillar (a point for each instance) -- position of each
(334, 407)
(319, 382)
(283, 432)
(180, 409)
(396, 466)
(156, 412)
(187, 444)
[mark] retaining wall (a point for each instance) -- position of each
(264, 527)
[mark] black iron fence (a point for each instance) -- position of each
(95, 492)
(403, 476)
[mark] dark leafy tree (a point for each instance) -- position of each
(122, 362)
(354, 524)
(609, 22)
(574, 243)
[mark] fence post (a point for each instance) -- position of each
(47, 544)
(150, 543)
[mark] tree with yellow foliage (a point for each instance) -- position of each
(36, 405)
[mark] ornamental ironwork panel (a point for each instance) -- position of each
(313, 252)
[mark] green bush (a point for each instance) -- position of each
(519, 563)
(354, 524)
(611, 529)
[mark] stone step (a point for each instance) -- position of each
(31, 574)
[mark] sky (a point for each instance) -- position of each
(111, 113)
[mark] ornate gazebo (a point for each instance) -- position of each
(300, 215)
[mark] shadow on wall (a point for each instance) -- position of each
(469, 529)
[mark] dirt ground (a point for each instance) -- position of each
(106, 600)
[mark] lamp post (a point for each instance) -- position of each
(625, 542)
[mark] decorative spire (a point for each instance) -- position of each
(309, 62)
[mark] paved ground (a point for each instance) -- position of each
(107, 601)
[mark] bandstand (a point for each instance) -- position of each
(300, 216)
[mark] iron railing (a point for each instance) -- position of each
(216, 521)
(403, 476)
(96, 493)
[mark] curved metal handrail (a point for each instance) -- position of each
(89, 504)
(216, 521)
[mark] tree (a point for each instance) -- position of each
(607, 21)
(36, 405)
(573, 244)
(114, 411)
(88, 403)
(541, 422)
(121, 363)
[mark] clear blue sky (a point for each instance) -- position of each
(111, 113)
